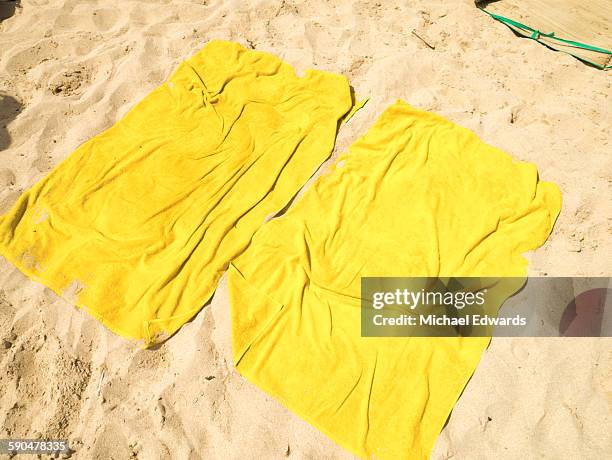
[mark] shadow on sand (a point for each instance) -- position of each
(7, 8)
(9, 109)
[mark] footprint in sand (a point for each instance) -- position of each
(106, 18)
(7, 178)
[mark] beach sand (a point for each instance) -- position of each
(69, 69)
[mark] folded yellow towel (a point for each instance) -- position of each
(140, 222)
(416, 196)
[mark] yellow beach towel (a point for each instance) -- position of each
(141, 221)
(416, 196)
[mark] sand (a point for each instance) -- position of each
(70, 69)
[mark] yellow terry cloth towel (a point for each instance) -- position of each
(416, 196)
(141, 221)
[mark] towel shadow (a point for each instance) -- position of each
(9, 109)
(158, 345)
(7, 8)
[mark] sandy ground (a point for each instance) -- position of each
(69, 69)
